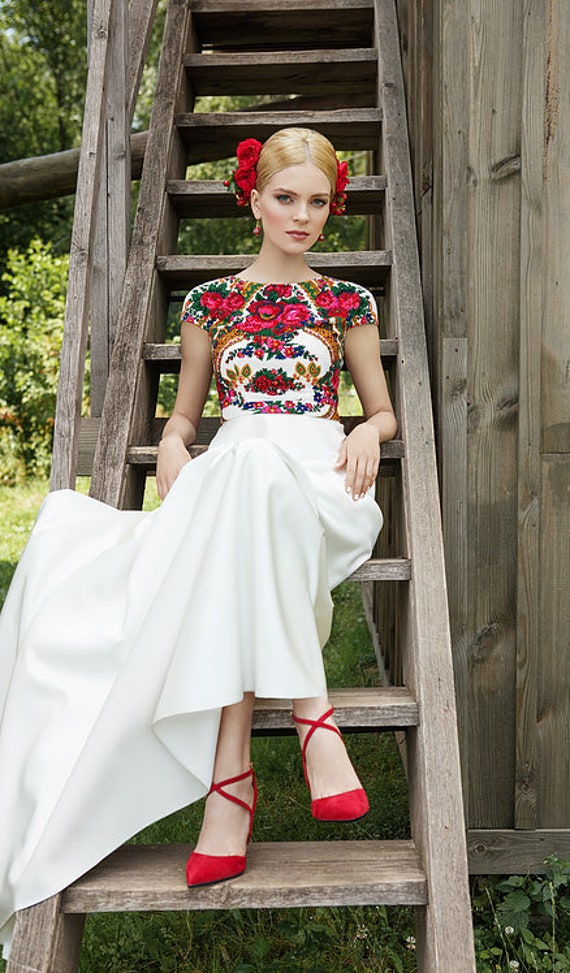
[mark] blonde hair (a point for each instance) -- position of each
(294, 147)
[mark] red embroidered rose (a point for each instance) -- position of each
(282, 290)
(327, 300)
(294, 315)
(212, 300)
(347, 301)
(265, 310)
(233, 302)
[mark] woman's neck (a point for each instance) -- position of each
(276, 267)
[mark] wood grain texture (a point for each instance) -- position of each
(210, 198)
(45, 940)
(355, 710)
(313, 72)
(181, 271)
(492, 389)
(128, 400)
(510, 852)
(278, 875)
(72, 366)
(529, 466)
(445, 939)
(294, 23)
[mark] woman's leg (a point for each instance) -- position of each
(225, 825)
(328, 765)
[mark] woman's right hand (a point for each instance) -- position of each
(172, 456)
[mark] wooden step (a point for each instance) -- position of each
(287, 72)
(142, 878)
(214, 135)
(166, 357)
(182, 272)
(356, 710)
(279, 23)
(210, 198)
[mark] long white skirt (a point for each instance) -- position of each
(125, 633)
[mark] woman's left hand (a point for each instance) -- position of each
(360, 456)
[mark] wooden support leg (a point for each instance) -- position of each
(46, 940)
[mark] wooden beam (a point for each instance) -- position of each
(70, 388)
(509, 852)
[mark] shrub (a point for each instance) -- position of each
(31, 330)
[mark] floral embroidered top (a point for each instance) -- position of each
(278, 347)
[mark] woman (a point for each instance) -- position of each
(132, 643)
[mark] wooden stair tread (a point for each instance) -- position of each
(146, 455)
(214, 135)
(303, 72)
(167, 356)
(151, 877)
(346, 23)
(210, 198)
(371, 708)
(182, 271)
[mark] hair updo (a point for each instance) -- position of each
(294, 147)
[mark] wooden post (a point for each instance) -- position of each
(113, 210)
(45, 939)
(70, 388)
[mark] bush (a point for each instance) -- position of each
(31, 331)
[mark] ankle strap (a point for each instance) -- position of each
(219, 788)
(316, 725)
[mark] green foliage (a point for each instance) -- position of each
(523, 922)
(31, 330)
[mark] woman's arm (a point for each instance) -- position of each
(180, 430)
(360, 452)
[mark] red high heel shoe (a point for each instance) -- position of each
(205, 869)
(348, 806)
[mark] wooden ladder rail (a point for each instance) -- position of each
(431, 870)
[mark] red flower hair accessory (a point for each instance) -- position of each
(339, 199)
(243, 179)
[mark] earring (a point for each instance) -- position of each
(256, 229)
(321, 236)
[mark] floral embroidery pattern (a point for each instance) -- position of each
(278, 347)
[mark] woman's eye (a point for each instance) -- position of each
(320, 202)
(284, 198)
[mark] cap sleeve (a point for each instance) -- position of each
(199, 305)
(364, 309)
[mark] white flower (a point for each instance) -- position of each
(509, 931)
(514, 964)
(411, 942)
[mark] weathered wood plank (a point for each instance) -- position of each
(127, 401)
(213, 135)
(355, 710)
(113, 212)
(46, 940)
(311, 72)
(508, 852)
(168, 356)
(278, 875)
(444, 932)
(70, 387)
(346, 23)
(210, 198)
(529, 636)
(180, 271)
(492, 383)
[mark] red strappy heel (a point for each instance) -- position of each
(205, 869)
(348, 806)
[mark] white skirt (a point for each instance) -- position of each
(125, 633)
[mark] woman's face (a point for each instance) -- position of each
(293, 207)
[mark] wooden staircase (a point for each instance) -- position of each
(350, 89)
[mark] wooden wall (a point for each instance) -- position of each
(488, 89)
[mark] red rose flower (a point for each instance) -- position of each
(245, 179)
(248, 153)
